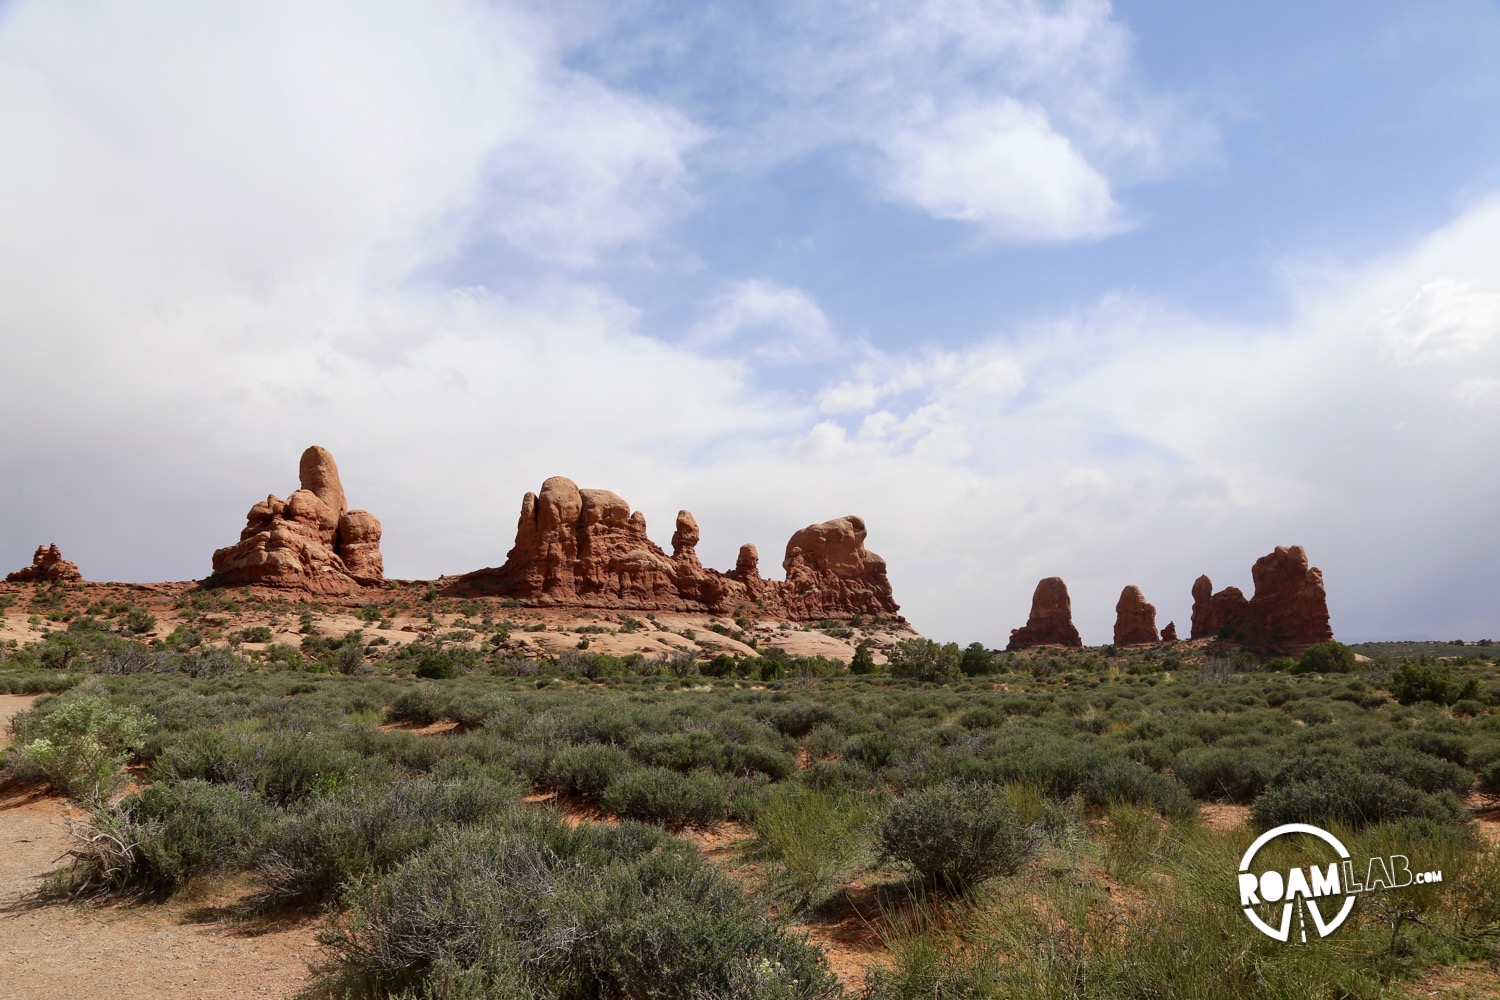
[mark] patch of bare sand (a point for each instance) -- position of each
(1486, 812)
(177, 950)
(1223, 816)
(12, 705)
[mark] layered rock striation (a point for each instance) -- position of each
(1051, 619)
(586, 548)
(1287, 613)
(311, 541)
(47, 566)
(1135, 620)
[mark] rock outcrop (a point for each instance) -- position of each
(585, 548)
(1135, 620)
(1287, 613)
(47, 566)
(311, 541)
(1215, 615)
(1051, 619)
(1169, 632)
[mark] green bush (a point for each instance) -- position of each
(1335, 791)
(1426, 680)
(1224, 774)
(281, 767)
(159, 839)
(657, 795)
(863, 661)
(586, 769)
(1327, 658)
(368, 828)
(79, 745)
(532, 909)
(977, 661)
(956, 835)
(925, 660)
(814, 842)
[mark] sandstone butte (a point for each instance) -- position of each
(586, 548)
(1135, 620)
(47, 566)
(1287, 613)
(1051, 619)
(1169, 632)
(310, 542)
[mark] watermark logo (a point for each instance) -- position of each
(1321, 895)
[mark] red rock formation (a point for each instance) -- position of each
(1051, 620)
(47, 566)
(1215, 615)
(830, 573)
(1290, 606)
(1135, 620)
(312, 541)
(1288, 612)
(585, 548)
(1169, 632)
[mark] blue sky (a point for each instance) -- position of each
(1118, 293)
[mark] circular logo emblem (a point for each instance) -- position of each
(1311, 891)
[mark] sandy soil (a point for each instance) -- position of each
(556, 629)
(183, 949)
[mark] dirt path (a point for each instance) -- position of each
(175, 950)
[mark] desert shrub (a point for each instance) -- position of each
(748, 759)
(420, 706)
(586, 769)
(1414, 681)
(871, 750)
(280, 767)
(977, 661)
(540, 911)
(814, 842)
(79, 745)
(956, 834)
(798, 718)
(159, 839)
(137, 621)
(368, 828)
(863, 661)
(1224, 774)
(679, 751)
(925, 660)
(1327, 658)
(1340, 791)
(657, 795)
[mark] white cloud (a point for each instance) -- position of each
(774, 323)
(1021, 118)
(1444, 320)
(1004, 168)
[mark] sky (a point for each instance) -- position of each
(1118, 293)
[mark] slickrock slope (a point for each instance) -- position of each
(1135, 620)
(47, 566)
(311, 541)
(586, 548)
(1051, 620)
(1288, 612)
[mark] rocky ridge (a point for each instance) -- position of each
(587, 548)
(47, 566)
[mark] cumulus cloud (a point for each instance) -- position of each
(1020, 118)
(769, 322)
